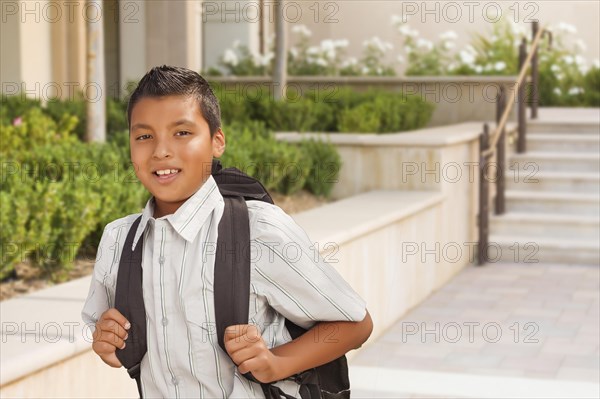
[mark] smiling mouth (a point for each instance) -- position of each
(166, 172)
(166, 175)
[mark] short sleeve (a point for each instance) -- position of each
(289, 272)
(103, 283)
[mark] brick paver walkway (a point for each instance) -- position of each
(502, 330)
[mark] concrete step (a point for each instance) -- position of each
(535, 162)
(553, 202)
(573, 182)
(587, 127)
(531, 249)
(549, 225)
(556, 142)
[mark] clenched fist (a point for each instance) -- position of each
(248, 350)
(110, 334)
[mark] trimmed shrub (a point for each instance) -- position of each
(325, 165)
(57, 193)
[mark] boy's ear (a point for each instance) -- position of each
(218, 143)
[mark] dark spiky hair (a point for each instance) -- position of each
(173, 81)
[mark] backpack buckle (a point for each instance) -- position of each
(134, 371)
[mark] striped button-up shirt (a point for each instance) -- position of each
(288, 279)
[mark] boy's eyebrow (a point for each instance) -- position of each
(176, 123)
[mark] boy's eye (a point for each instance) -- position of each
(142, 136)
(183, 132)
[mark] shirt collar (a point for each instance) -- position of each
(190, 216)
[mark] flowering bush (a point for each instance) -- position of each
(240, 61)
(565, 79)
(424, 56)
(326, 59)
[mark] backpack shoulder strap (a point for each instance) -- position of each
(232, 271)
(129, 300)
(232, 277)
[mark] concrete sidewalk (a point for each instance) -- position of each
(502, 330)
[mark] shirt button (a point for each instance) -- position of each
(165, 321)
(161, 259)
(175, 381)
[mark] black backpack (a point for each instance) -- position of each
(231, 291)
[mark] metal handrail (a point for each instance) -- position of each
(494, 144)
(520, 80)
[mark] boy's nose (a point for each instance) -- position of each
(161, 151)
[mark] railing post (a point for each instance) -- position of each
(535, 77)
(482, 255)
(500, 155)
(521, 104)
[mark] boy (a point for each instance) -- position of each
(174, 123)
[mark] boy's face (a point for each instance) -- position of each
(170, 133)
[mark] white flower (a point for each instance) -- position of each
(583, 69)
(406, 31)
(488, 67)
(341, 43)
(313, 50)
(365, 70)
(449, 45)
(379, 71)
(397, 19)
(378, 44)
(266, 59)
(517, 30)
(579, 60)
(230, 57)
(349, 62)
(302, 30)
(568, 59)
(466, 57)
(426, 44)
(256, 59)
(557, 91)
(478, 69)
(294, 52)
(321, 62)
(566, 27)
(449, 35)
(559, 76)
(452, 66)
(596, 63)
(573, 91)
(327, 45)
(500, 66)
(555, 68)
(494, 38)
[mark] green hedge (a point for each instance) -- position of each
(282, 167)
(116, 112)
(57, 193)
(337, 110)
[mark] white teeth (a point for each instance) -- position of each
(166, 172)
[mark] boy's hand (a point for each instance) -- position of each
(110, 334)
(249, 352)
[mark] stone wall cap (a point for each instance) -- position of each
(440, 136)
